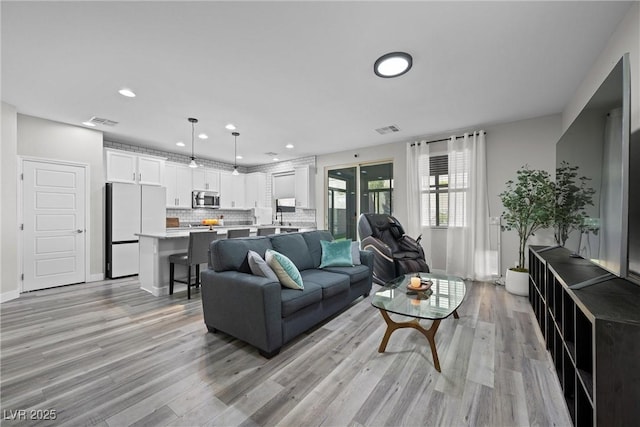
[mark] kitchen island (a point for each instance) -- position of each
(155, 249)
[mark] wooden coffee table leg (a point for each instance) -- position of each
(428, 333)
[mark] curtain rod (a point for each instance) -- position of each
(443, 139)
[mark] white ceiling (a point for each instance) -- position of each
(295, 72)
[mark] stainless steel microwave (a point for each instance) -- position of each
(205, 199)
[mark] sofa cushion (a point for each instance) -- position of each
(285, 269)
(259, 267)
(294, 300)
(331, 283)
(294, 247)
(313, 239)
(355, 273)
(231, 254)
(336, 254)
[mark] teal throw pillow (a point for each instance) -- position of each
(336, 253)
(285, 269)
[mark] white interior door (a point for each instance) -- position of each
(54, 224)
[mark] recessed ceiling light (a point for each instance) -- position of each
(180, 144)
(275, 159)
(230, 126)
(87, 123)
(238, 157)
(393, 64)
(127, 92)
(289, 146)
(203, 136)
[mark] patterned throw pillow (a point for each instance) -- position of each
(259, 267)
(355, 253)
(336, 253)
(285, 269)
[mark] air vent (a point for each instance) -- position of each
(271, 154)
(101, 121)
(388, 129)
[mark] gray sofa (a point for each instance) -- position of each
(261, 311)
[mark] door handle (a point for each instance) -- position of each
(79, 231)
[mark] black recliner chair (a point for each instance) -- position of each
(394, 253)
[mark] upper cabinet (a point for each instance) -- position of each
(305, 185)
(178, 183)
(256, 190)
(123, 166)
(232, 190)
(206, 179)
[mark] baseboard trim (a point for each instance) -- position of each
(8, 296)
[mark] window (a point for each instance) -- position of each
(444, 197)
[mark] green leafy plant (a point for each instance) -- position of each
(529, 206)
(573, 195)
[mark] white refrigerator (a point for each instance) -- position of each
(130, 209)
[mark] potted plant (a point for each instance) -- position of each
(572, 197)
(528, 207)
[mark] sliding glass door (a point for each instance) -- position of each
(352, 190)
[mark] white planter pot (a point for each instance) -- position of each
(517, 283)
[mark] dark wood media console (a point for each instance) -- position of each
(592, 334)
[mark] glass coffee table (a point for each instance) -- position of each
(438, 302)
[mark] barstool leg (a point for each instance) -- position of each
(197, 275)
(189, 282)
(171, 271)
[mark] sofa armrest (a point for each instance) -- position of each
(245, 306)
(366, 258)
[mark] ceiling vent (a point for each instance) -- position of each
(388, 129)
(271, 154)
(101, 121)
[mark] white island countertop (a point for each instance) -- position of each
(175, 233)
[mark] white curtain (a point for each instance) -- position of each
(418, 195)
(468, 243)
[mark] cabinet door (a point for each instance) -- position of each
(232, 188)
(150, 170)
(170, 179)
(305, 187)
(183, 187)
(199, 179)
(121, 167)
(212, 180)
(256, 188)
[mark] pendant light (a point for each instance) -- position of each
(192, 163)
(235, 152)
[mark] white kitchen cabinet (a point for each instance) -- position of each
(123, 166)
(256, 189)
(178, 183)
(232, 189)
(206, 179)
(150, 170)
(305, 186)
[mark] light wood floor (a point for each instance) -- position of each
(109, 354)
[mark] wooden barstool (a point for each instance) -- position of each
(196, 254)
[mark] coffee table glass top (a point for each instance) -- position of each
(440, 301)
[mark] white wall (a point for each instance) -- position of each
(8, 205)
(509, 146)
(52, 140)
(626, 38)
